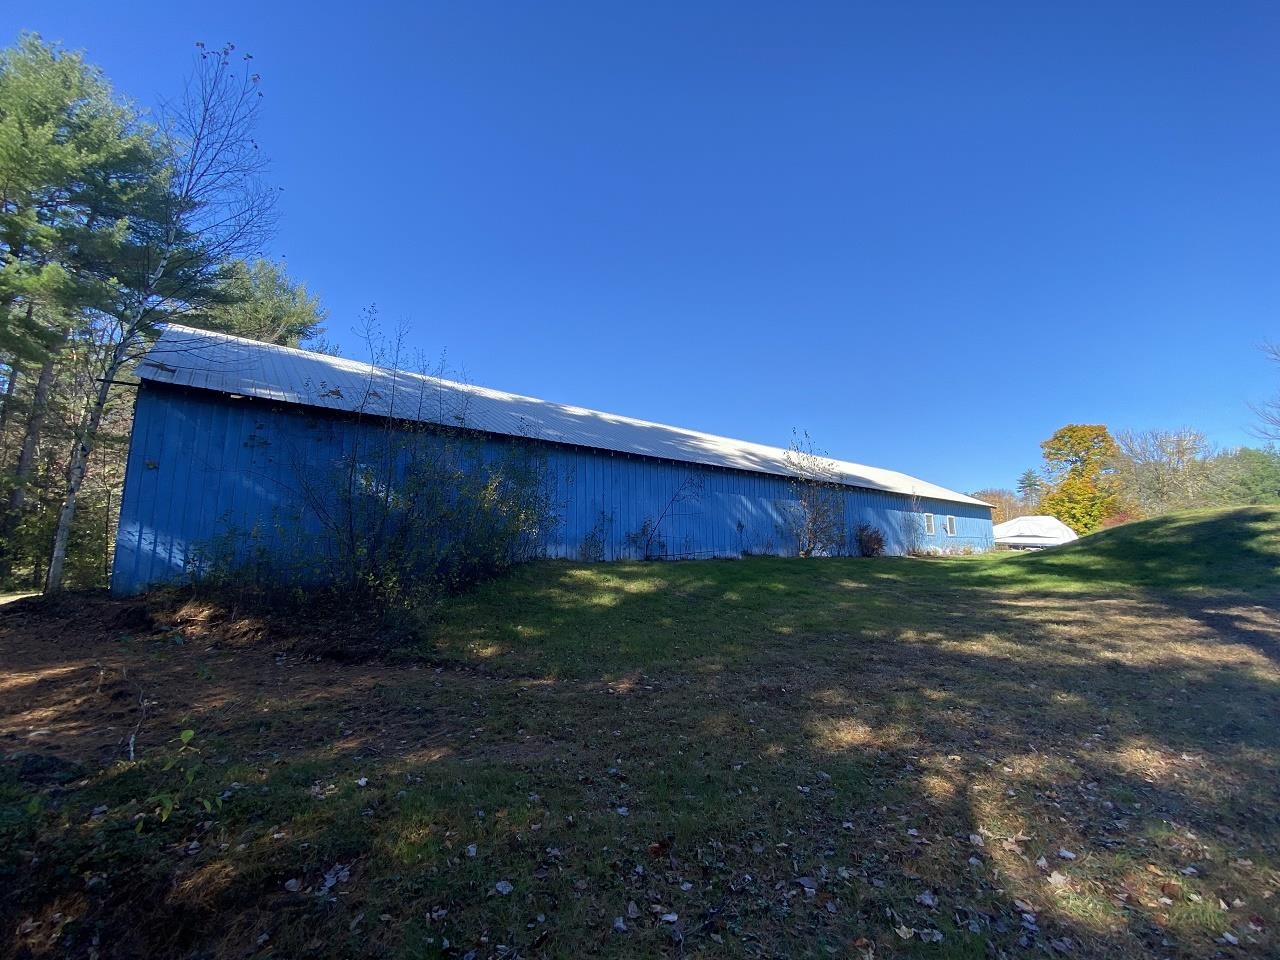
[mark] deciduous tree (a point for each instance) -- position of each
(816, 523)
(1269, 411)
(1162, 470)
(1082, 490)
(208, 207)
(1005, 504)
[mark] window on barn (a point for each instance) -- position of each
(928, 525)
(951, 526)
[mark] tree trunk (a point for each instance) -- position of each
(10, 388)
(35, 426)
(79, 466)
(12, 515)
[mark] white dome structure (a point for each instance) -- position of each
(1033, 533)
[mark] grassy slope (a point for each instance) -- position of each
(906, 736)
(581, 620)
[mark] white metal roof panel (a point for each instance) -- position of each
(187, 357)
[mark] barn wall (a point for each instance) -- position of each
(210, 475)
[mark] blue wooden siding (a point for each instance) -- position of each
(208, 475)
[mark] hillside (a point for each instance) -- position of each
(610, 618)
(1071, 753)
(1235, 550)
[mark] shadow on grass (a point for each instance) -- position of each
(794, 758)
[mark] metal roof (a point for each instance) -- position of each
(187, 357)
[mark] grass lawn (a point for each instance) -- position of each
(1071, 753)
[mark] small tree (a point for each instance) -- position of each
(816, 521)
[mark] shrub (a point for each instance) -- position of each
(592, 549)
(398, 519)
(869, 540)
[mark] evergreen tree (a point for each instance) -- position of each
(259, 301)
(1030, 485)
(72, 163)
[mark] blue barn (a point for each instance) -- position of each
(227, 430)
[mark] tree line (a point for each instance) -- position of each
(1090, 478)
(114, 220)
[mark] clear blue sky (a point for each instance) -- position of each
(929, 234)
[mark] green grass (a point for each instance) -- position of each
(907, 736)
(1199, 551)
(577, 620)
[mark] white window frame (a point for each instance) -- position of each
(929, 528)
(949, 525)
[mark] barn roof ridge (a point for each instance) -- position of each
(208, 360)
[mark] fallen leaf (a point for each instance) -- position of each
(1066, 854)
(977, 840)
(503, 887)
(905, 932)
